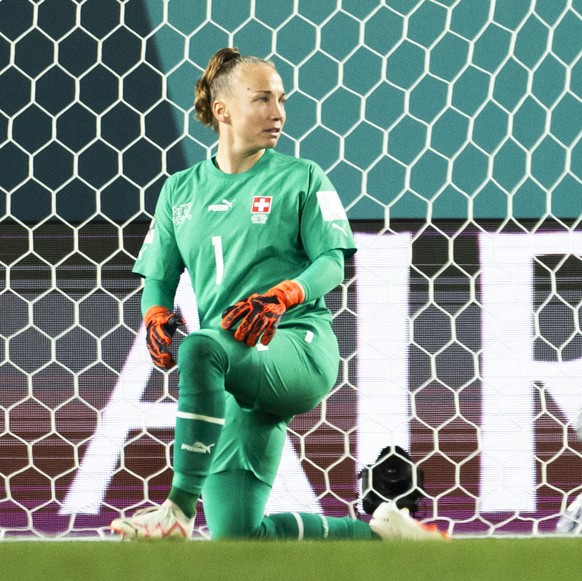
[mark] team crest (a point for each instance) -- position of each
(181, 213)
(260, 209)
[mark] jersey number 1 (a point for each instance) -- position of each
(218, 257)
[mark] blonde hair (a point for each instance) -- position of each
(216, 81)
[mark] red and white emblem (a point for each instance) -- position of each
(261, 204)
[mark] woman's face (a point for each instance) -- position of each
(255, 109)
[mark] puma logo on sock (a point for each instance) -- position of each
(198, 448)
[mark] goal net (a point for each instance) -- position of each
(451, 130)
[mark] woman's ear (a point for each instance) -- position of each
(220, 111)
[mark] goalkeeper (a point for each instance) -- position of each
(263, 237)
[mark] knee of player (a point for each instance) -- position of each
(199, 348)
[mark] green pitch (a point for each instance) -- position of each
(556, 559)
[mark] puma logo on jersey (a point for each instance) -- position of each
(198, 448)
(342, 229)
(224, 207)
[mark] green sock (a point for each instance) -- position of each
(201, 412)
(185, 501)
(194, 448)
(301, 525)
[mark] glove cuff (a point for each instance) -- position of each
(155, 312)
(289, 292)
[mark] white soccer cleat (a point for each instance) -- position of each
(155, 522)
(391, 523)
(570, 522)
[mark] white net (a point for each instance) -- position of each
(451, 130)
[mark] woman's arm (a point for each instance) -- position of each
(322, 275)
(158, 293)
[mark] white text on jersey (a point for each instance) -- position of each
(224, 207)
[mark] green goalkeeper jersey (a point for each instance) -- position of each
(239, 234)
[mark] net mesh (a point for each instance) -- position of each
(451, 131)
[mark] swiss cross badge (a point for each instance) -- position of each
(260, 209)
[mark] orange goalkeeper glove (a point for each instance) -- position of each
(259, 315)
(161, 324)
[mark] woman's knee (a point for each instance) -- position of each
(200, 346)
(201, 356)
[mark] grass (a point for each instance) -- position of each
(491, 559)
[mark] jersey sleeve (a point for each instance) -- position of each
(159, 256)
(324, 223)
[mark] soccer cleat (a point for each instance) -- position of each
(155, 522)
(391, 523)
(570, 522)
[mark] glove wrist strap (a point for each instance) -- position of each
(289, 292)
(155, 312)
